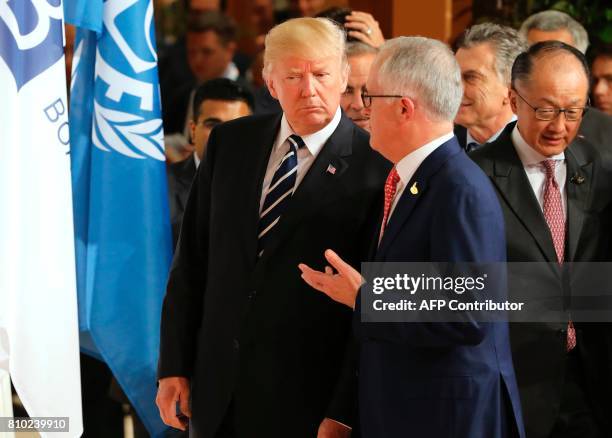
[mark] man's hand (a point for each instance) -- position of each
(332, 429)
(363, 26)
(341, 287)
(170, 391)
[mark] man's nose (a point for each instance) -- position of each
(600, 87)
(308, 85)
(356, 101)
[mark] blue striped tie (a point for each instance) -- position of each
(279, 192)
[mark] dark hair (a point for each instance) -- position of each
(220, 89)
(221, 24)
(523, 64)
(598, 49)
(338, 15)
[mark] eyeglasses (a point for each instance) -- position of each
(367, 98)
(547, 114)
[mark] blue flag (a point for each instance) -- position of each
(122, 226)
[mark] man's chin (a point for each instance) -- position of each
(362, 123)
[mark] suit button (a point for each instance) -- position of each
(252, 294)
(236, 345)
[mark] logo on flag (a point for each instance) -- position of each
(125, 119)
(30, 30)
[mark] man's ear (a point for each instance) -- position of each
(407, 107)
(192, 128)
(231, 48)
(506, 100)
(512, 97)
(270, 85)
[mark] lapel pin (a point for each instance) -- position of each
(577, 179)
(414, 190)
(331, 169)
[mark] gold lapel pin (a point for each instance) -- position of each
(414, 190)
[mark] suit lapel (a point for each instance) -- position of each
(414, 191)
(578, 188)
(318, 186)
(510, 178)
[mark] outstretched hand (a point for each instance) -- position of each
(341, 286)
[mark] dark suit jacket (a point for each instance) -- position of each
(440, 379)
(461, 135)
(538, 349)
(180, 176)
(250, 330)
(596, 128)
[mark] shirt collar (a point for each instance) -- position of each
(408, 165)
(231, 72)
(315, 141)
(196, 159)
(469, 139)
(528, 155)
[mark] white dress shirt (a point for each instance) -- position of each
(306, 156)
(531, 160)
(408, 165)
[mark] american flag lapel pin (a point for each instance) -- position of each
(331, 169)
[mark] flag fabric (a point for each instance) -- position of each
(122, 223)
(39, 344)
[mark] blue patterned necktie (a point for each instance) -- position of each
(279, 192)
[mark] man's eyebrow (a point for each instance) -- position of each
(212, 119)
(550, 102)
(471, 72)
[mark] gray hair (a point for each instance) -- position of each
(549, 21)
(505, 41)
(357, 48)
(424, 69)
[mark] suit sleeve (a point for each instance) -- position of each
(468, 227)
(183, 304)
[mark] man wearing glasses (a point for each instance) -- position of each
(216, 101)
(553, 195)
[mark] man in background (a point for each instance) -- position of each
(210, 48)
(485, 54)
(553, 194)
(360, 57)
(601, 75)
(216, 101)
(596, 126)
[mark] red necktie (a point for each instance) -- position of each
(390, 189)
(553, 213)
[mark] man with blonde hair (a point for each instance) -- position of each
(255, 350)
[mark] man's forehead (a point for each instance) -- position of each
(210, 106)
(299, 63)
(477, 58)
(563, 35)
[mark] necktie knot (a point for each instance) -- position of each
(296, 141)
(392, 179)
(549, 167)
(390, 189)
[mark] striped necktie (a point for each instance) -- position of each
(279, 192)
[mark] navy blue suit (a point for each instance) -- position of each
(440, 379)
